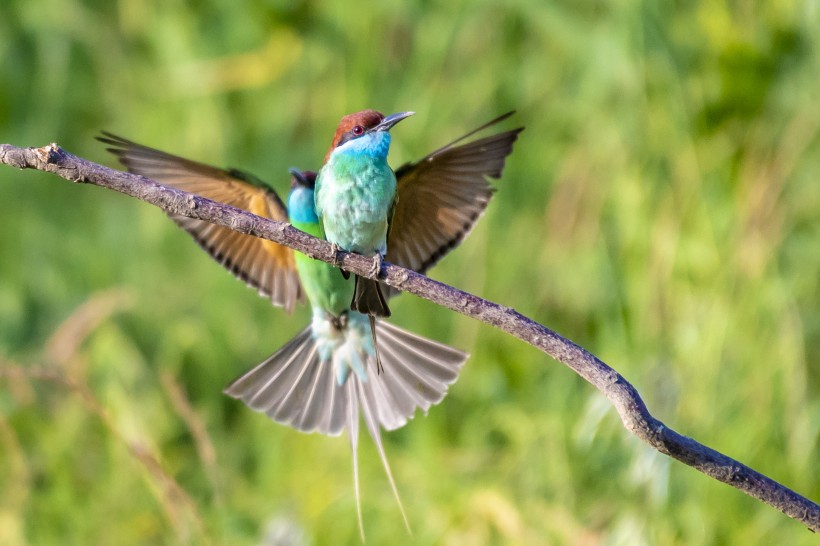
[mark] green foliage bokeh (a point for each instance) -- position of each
(661, 209)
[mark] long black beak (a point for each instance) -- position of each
(389, 121)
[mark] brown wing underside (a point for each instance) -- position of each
(441, 197)
(262, 264)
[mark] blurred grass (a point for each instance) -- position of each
(661, 209)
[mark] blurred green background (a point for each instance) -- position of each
(662, 209)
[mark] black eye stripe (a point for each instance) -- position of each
(350, 135)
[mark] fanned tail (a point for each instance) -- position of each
(296, 388)
(369, 299)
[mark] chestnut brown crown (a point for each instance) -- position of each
(354, 125)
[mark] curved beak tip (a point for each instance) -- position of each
(389, 121)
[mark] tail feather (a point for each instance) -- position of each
(398, 398)
(417, 373)
(368, 406)
(368, 298)
(293, 387)
(331, 413)
(372, 320)
(438, 363)
(352, 415)
(292, 405)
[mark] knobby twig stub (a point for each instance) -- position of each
(623, 396)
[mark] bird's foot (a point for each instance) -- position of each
(376, 268)
(337, 259)
(335, 250)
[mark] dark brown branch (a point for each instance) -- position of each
(636, 418)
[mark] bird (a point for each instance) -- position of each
(355, 193)
(354, 197)
(308, 384)
(320, 380)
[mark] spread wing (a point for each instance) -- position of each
(441, 196)
(264, 265)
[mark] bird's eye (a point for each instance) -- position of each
(358, 130)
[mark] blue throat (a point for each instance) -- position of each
(370, 146)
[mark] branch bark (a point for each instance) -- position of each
(623, 396)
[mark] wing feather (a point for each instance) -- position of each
(266, 266)
(441, 196)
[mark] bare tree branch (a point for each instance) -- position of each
(632, 410)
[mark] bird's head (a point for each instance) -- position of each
(302, 179)
(369, 127)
